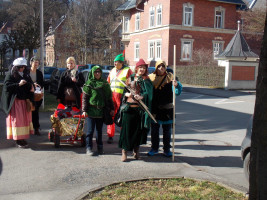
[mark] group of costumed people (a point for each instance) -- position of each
(130, 97)
(123, 92)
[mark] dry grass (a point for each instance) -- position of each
(165, 189)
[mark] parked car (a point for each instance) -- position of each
(108, 67)
(47, 74)
(81, 67)
(87, 66)
(54, 80)
(104, 75)
(245, 148)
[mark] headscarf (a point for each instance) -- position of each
(92, 82)
(157, 80)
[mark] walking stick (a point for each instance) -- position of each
(173, 97)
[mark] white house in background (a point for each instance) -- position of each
(241, 64)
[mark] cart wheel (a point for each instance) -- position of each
(51, 135)
(57, 140)
(83, 140)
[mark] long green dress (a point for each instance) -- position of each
(135, 121)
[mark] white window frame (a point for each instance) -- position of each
(219, 19)
(158, 48)
(136, 51)
(126, 24)
(187, 43)
(186, 14)
(217, 47)
(137, 21)
(152, 17)
(159, 15)
(151, 49)
(154, 49)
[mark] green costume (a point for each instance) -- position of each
(135, 121)
(95, 91)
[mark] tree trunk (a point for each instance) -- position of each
(258, 160)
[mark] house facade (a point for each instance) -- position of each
(55, 38)
(151, 28)
(59, 47)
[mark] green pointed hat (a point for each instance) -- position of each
(119, 58)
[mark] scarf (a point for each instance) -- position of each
(157, 79)
(92, 82)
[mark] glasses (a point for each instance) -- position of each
(21, 66)
(161, 66)
(97, 72)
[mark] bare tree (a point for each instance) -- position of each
(89, 26)
(26, 18)
(3, 51)
(258, 159)
(253, 22)
(14, 41)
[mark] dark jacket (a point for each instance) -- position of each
(66, 82)
(162, 103)
(39, 78)
(96, 95)
(12, 90)
(39, 81)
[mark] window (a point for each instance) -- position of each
(188, 14)
(121, 46)
(186, 50)
(219, 17)
(154, 49)
(151, 17)
(159, 15)
(136, 51)
(158, 49)
(217, 47)
(137, 21)
(151, 49)
(126, 24)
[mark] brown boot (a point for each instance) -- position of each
(124, 156)
(136, 153)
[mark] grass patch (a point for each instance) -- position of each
(50, 102)
(165, 189)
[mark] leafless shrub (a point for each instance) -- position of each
(203, 57)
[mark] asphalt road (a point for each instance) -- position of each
(209, 131)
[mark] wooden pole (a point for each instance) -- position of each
(173, 93)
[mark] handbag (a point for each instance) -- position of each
(29, 106)
(107, 118)
(69, 94)
(119, 115)
(38, 96)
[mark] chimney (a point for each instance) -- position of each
(238, 25)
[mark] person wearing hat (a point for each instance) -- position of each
(17, 95)
(162, 107)
(38, 80)
(120, 71)
(135, 121)
(96, 95)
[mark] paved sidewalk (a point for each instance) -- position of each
(235, 94)
(43, 172)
